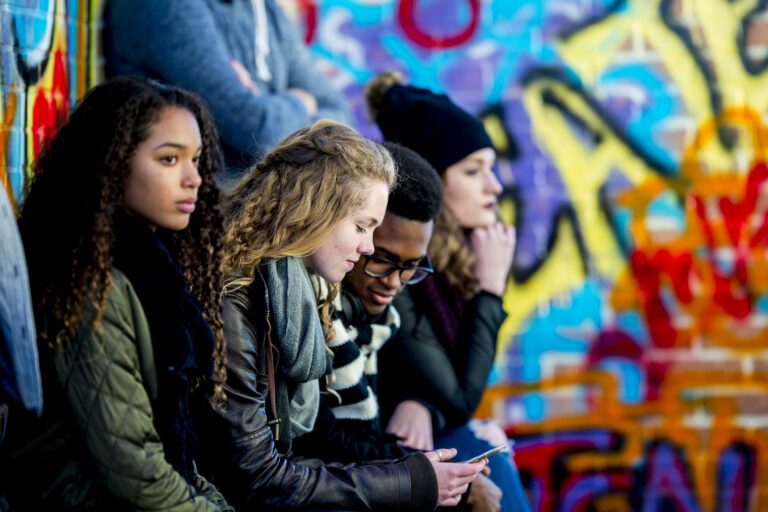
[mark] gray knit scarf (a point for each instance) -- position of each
(299, 337)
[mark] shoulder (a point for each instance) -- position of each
(119, 347)
(121, 292)
(245, 299)
(244, 314)
(123, 309)
(121, 336)
(414, 323)
(134, 25)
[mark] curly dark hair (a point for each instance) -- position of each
(67, 220)
(419, 192)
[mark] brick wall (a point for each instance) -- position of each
(632, 370)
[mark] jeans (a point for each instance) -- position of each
(503, 470)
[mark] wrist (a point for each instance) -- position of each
(493, 286)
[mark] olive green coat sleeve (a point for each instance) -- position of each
(108, 375)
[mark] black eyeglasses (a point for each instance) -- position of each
(377, 266)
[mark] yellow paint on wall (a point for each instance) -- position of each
(561, 274)
(593, 50)
(96, 61)
(8, 112)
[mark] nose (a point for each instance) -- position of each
(492, 183)
(366, 244)
(392, 281)
(192, 178)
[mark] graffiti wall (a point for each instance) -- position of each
(49, 56)
(632, 371)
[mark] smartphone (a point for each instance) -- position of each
(492, 451)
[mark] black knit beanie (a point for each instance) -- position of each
(430, 124)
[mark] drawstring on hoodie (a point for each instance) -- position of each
(261, 40)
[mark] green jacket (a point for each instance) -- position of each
(114, 459)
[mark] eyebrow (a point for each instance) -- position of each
(396, 257)
(176, 145)
(373, 221)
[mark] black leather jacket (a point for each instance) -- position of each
(245, 462)
(417, 365)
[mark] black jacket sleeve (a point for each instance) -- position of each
(248, 468)
(415, 365)
(338, 441)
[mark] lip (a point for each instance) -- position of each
(382, 298)
(187, 205)
(351, 264)
(491, 206)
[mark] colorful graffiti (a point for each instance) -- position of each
(632, 366)
(49, 57)
(632, 371)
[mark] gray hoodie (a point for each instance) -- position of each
(195, 44)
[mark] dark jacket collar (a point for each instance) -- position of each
(182, 341)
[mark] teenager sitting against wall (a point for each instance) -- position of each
(348, 427)
(123, 236)
(443, 353)
(307, 211)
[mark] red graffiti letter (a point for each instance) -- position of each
(406, 16)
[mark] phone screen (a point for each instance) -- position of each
(492, 451)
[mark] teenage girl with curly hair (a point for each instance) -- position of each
(307, 212)
(123, 240)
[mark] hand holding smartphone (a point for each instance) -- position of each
(496, 449)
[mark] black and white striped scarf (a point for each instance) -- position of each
(355, 346)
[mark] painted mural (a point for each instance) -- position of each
(48, 59)
(632, 369)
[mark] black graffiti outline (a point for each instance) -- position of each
(753, 67)
(666, 172)
(30, 75)
(685, 37)
(560, 76)
(550, 97)
(566, 212)
(560, 473)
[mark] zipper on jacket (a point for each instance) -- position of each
(270, 366)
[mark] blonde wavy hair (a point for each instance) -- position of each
(290, 203)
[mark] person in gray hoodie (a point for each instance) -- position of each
(244, 57)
